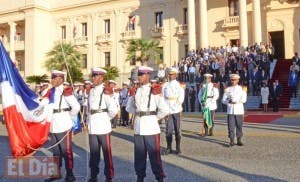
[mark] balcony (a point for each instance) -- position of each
(231, 21)
(182, 29)
(157, 32)
(104, 39)
(81, 41)
(128, 35)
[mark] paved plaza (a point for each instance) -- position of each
(271, 153)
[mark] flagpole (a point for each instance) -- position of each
(71, 80)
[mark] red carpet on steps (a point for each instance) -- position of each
(281, 73)
(259, 118)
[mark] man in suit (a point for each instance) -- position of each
(245, 77)
(224, 79)
(293, 82)
(255, 77)
(276, 92)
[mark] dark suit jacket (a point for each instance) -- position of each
(264, 77)
(215, 79)
(255, 77)
(244, 78)
(276, 92)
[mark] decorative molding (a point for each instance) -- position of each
(275, 24)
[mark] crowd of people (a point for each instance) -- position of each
(252, 64)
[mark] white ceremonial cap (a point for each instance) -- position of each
(173, 71)
(207, 75)
(144, 69)
(234, 76)
(57, 73)
(125, 83)
(112, 81)
(66, 83)
(87, 82)
(98, 71)
(153, 81)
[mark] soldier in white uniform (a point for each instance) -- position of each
(174, 97)
(65, 106)
(101, 109)
(115, 96)
(148, 106)
(211, 101)
(235, 97)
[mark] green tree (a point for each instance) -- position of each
(63, 54)
(143, 50)
(112, 73)
(37, 79)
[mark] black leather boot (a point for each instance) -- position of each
(108, 179)
(239, 141)
(94, 174)
(205, 130)
(140, 179)
(70, 176)
(93, 179)
(178, 149)
(169, 148)
(160, 179)
(211, 132)
(231, 144)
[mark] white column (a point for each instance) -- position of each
(191, 25)
(256, 21)
(12, 53)
(243, 23)
(203, 24)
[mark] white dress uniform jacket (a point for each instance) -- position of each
(147, 125)
(62, 121)
(174, 96)
(212, 96)
(99, 123)
(238, 96)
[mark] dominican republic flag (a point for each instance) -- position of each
(26, 120)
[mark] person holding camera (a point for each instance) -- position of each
(235, 97)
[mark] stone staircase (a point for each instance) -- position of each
(295, 103)
(253, 102)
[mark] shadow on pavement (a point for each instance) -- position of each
(206, 139)
(271, 126)
(246, 176)
(128, 138)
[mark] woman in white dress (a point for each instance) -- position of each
(264, 92)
